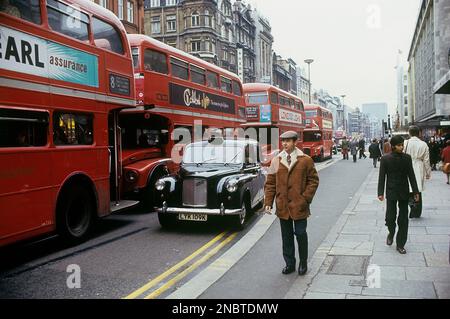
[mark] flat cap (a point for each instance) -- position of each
(289, 135)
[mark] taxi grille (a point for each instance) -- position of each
(194, 192)
(307, 151)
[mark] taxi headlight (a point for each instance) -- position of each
(232, 187)
(160, 184)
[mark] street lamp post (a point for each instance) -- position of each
(343, 111)
(309, 61)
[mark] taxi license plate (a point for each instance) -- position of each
(193, 217)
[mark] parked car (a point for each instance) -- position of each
(222, 177)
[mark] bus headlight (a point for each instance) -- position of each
(232, 186)
(131, 176)
(160, 184)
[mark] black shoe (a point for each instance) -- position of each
(302, 269)
(288, 270)
(401, 250)
(389, 240)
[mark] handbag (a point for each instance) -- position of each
(446, 168)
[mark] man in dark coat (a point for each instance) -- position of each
(375, 152)
(292, 182)
(362, 148)
(398, 168)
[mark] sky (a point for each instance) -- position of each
(354, 43)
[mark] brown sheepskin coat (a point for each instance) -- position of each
(292, 189)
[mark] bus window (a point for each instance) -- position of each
(106, 36)
(311, 113)
(226, 84)
(179, 69)
(68, 20)
(20, 128)
(237, 88)
(302, 107)
(284, 100)
(213, 80)
(72, 129)
(135, 55)
(155, 61)
(258, 98)
(198, 75)
(274, 97)
(292, 103)
(311, 137)
(24, 9)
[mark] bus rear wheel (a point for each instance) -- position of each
(75, 215)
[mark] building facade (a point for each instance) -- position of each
(263, 48)
(245, 29)
(130, 12)
(401, 121)
(303, 85)
(204, 28)
(429, 63)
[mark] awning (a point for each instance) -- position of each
(443, 85)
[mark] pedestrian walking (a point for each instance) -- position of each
(375, 152)
(419, 152)
(345, 147)
(398, 169)
(292, 182)
(446, 160)
(354, 149)
(434, 150)
(362, 148)
(386, 147)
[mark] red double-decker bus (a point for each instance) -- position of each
(66, 71)
(318, 136)
(270, 112)
(174, 91)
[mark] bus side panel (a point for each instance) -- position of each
(26, 192)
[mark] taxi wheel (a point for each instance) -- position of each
(239, 220)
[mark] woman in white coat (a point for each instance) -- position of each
(420, 154)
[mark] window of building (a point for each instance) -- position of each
(103, 3)
(156, 25)
(237, 88)
(19, 128)
(155, 61)
(226, 84)
(207, 18)
(171, 2)
(213, 46)
(405, 89)
(198, 75)
(172, 43)
(106, 36)
(130, 11)
(195, 46)
(179, 69)
(120, 9)
(68, 20)
(29, 11)
(225, 55)
(171, 23)
(213, 80)
(72, 129)
(155, 3)
(195, 19)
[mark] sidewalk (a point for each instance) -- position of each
(354, 262)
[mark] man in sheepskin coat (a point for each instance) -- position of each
(292, 181)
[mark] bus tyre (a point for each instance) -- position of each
(75, 215)
(166, 220)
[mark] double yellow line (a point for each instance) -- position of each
(146, 289)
